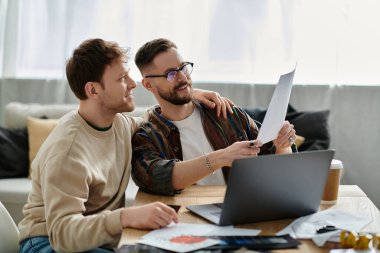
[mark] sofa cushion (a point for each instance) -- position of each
(15, 190)
(14, 194)
(38, 131)
(14, 159)
(16, 113)
(311, 125)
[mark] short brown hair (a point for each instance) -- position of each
(89, 61)
(149, 50)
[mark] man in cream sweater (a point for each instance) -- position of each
(81, 172)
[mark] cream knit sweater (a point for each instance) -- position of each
(79, 179)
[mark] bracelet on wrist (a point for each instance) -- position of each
(208, 164)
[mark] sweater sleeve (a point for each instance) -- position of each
(65, 186)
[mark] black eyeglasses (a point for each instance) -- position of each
(185, 69)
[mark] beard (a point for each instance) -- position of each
(120, 105)
(173, 97)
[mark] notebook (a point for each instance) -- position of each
(270, 187)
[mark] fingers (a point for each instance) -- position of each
(223, 109)
(286, 136)
(251, 151)
(164, 215)
(208, 102)
(256, 143)
(214, 100)
(171, 211)
(230, 103)
(241, 149)
(150, 216)
(219, 104)
(251, 147)
(227, 106)
(206, 97)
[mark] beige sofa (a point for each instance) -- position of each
(14, 191)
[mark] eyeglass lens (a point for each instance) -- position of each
(185, 69)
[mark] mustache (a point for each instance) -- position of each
(182, 84)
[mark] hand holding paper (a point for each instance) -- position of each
(275, 116)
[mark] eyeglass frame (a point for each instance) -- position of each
(179, 69)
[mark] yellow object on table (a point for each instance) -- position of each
(363, 241)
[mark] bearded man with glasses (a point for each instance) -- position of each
(184, 142)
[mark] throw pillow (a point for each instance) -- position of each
(312, 125)
(257, 114)
(38, 131)
(14, 159)
(299, 140)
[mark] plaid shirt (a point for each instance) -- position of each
(157, 145)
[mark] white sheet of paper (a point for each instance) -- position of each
(162, 238)
(275, 115)
(200, 230)
(305, 227)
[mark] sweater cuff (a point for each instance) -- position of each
(113, 222)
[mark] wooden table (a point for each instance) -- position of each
(350, 199)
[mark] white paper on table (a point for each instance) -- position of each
(162, 238)
(306, 227)
(200, 230)
(275, 115)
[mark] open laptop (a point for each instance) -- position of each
(271, 187)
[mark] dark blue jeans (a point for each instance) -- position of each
(41, 244)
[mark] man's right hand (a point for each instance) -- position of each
(241, 149)
(151, 216)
